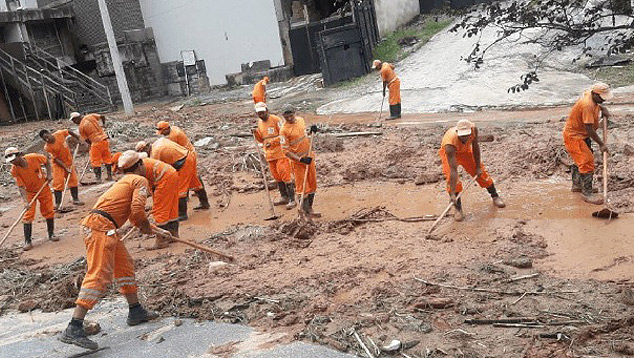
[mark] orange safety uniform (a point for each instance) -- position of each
(293, 138)
(259, 92)
(182, 160)
(268, 133)
(91, 130)
(464, 157)
(393, 83)
(60, 151)
(115, 161)
(163, 180)
(106, 255)
(32, 178)
(585, 111)
(178, 136)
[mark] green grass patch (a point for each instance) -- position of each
(616, 76)
(389, 49)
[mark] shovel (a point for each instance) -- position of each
(84, 173)
(23, 212)
(605, 213)
(168, 235)
(302, 214)
(441, 216)
(61, 208)
(274, 215)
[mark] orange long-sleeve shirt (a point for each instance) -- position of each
(124, 200)
(59, 150)
(178, 136)
(451, 137)
(155, 170)
(90, 128)
(387, 72)
(32, 177)
(294, 138)
(168, 151)
(585, 111)
(268, 133)
(259, 92)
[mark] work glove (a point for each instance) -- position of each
(313, 129)
(306, 160)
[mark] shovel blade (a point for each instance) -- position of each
(271, 218)
(605, 213)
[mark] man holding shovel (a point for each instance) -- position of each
(580, 129)
(62, 164)
(268, 133)
(391, 82)
(92, 132)
(30, 179)
(460, 147)
(297, 147)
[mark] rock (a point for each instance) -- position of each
(520, 262)
(628, 150)
(178, 322)
(27, 306)
(393, 346)
(427, 178)
(91, 328)
(216, 266)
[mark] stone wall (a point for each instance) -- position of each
(176, 82)
(391, 14)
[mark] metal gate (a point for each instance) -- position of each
(342, 54)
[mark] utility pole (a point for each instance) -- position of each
(122, 82)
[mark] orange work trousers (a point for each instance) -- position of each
(395, 91)
(107, 258)
(46, 205)
(580, 153)
(467, 161)
(100, 153)
(299, 170)
(60, 175)
(281, 170)
(188, 177)
(165, 199)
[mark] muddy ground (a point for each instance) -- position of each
(559, 279)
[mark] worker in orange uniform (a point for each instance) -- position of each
(63, 165)
(259, 90)
(29, 177)
(460, 147)
(175, 134)
(184, 162)
(92, 132)
(268, 133)
(115, 160)
(296, 144)
(106, 255)
(580, 128)
(391, 82)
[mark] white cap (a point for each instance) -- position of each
(464, 127)
(74, 115)
(603, 90)
(260, 107)
(140, 145)
(128, 159)
(10, 154)
(375, 64)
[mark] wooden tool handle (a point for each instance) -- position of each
(310, 148)
(23, 212)
(160, 231)
(266, 184)
(605, 161)
(473, 179)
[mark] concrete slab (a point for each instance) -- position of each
(35, 335)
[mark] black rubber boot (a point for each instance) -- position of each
(97, 171)
(173, 228)
(50, 228)
(392, 112)
(204, 201)
(138, 315)
(397, 111)
(576, 179)
(74, 334)
(306, 204)
(497, 201)
(28, 232)
(74, 193)
(182, 209)
(109, 172)
(290, 190)
(58, 198)
(587, 191)
(281, 186)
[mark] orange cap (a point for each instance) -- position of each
(161, 126)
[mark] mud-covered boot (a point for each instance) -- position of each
(497, 201)
(28, 232)
(576, 179)
(74, 334)
(74, 193)
(311, 200)
(161, 242)
(58, 198)
(283, 200)
(392, 112)
(458, 215)
(138, 315)
(204, 201)
(586, 190)
(97, 171)
(306, 204)
(109, 172)
(50, 228)
(173, 228)
(290, 189)
(182, 209)
(397, 111)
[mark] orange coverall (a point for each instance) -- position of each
(393, 83)
(115, 160)
(31, 179)
(259, 92)
(464, 157)
(268, 133)
(163, 180)
(178, 136)
(106, 255)
(91, 130)
(169, 152)
(294, 140)
(60, 151)
(585, 111)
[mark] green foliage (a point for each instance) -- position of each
(389, 49)
(616, 76)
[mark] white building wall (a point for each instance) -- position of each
(392, 14)
(223, 33)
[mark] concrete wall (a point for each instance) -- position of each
(392, 14)
(224, 34)
(125, 15)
